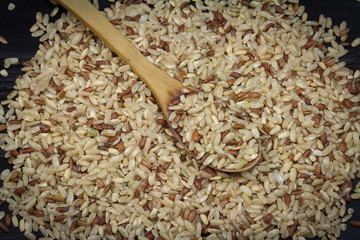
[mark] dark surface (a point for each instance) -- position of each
(15, 25)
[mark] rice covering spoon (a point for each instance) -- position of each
(164, 88)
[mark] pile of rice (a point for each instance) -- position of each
(93, 156)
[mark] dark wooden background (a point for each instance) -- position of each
(15, 25)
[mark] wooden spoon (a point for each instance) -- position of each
(163, 87)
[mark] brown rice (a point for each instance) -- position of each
(92, 156)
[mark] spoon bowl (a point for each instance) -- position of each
(164, 88)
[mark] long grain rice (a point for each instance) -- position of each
(92, 152)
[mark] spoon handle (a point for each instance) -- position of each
(102, 27)
(159, 82)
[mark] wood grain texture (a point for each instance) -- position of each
(15, 25)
